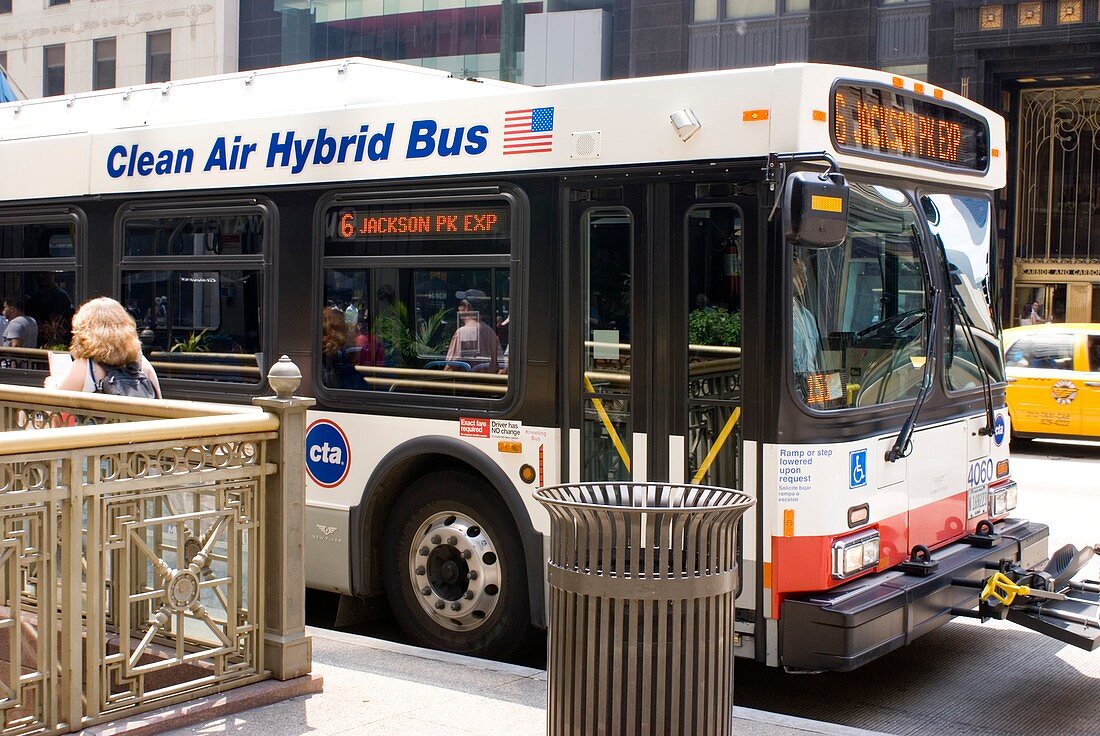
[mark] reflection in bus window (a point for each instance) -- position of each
(438, 329)
(865, 301)
(198, 318)
(715, 243)
(411, 330)
(962, 228)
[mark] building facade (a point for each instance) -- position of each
(59, 47)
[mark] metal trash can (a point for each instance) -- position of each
(642, 584)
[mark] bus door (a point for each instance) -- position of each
(654, 273)
(713, 224)
(606, 282)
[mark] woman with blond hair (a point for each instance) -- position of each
(106, 353)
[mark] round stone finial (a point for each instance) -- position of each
(284, 378)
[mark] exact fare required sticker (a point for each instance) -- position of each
(502, 429)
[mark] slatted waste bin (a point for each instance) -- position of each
(642, 584)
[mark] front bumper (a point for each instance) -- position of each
(849, 626)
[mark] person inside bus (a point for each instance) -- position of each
(337, 370)
(22, 330)
(52, 308)
(806, 339)
(104, 334)
(474, 343)
(370, 349)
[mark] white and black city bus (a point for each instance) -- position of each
(780, 280)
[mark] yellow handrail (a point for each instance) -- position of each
(608, 425)
(718, 444)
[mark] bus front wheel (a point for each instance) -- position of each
(455, 571)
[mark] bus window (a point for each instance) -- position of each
(963, 229)
(198, 315)
(437, 324)
(858, 328)
(38, 267)
(607, 433)
(715, 242)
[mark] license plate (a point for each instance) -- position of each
(977, 501)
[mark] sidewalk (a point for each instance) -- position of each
(378, 687)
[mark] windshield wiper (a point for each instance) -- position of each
(967, 324)
(903, 444)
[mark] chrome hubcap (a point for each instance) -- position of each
(454, 569)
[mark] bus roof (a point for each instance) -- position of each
(362, 119)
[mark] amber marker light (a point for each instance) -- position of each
(1002, 468)
(938, 94)
(752, 116)
(918, 88)
(527, 474)
(509, 446)
(898, 82)
(996, 152)
(819, 116)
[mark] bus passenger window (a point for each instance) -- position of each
(198, 317)
(38, 273)
(438, 326)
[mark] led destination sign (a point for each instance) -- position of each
(885, 122)
(381, 222)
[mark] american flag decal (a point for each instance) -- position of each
(529, 131)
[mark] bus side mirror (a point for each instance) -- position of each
(815, 209)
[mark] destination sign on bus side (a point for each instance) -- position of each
(436, 222)
(886, 122)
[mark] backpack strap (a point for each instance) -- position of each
(91, 374)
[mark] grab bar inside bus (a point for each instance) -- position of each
(607, 425)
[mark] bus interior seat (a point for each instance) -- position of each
(458, 365)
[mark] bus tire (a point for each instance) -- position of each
(455, 572)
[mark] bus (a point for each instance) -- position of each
(781, 280)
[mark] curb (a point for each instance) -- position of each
(247, 697)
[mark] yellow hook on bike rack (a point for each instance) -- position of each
(1001, 587)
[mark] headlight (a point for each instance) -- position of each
(855, 554)
(1002, 499)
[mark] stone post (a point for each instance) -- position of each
(288, 652)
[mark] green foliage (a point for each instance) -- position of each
(714, 326)
(193, 343)
(408, 341)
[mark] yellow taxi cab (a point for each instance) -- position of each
(1053, 380)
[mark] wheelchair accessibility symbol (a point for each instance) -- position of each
(857, 468)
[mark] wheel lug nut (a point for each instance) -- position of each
(452, 540)
(456, 606)
(466, 554)
(436, 539)
(440, 605)
(425, 590)
(472, 575)
(420, 570)
(468, 595)
(423, 551)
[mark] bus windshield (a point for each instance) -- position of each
(858, 313)
(962, 229)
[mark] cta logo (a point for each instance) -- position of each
(328, 455)
(999, 429)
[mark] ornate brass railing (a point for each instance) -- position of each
(132, 554)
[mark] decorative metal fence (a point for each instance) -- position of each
(131, 554)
